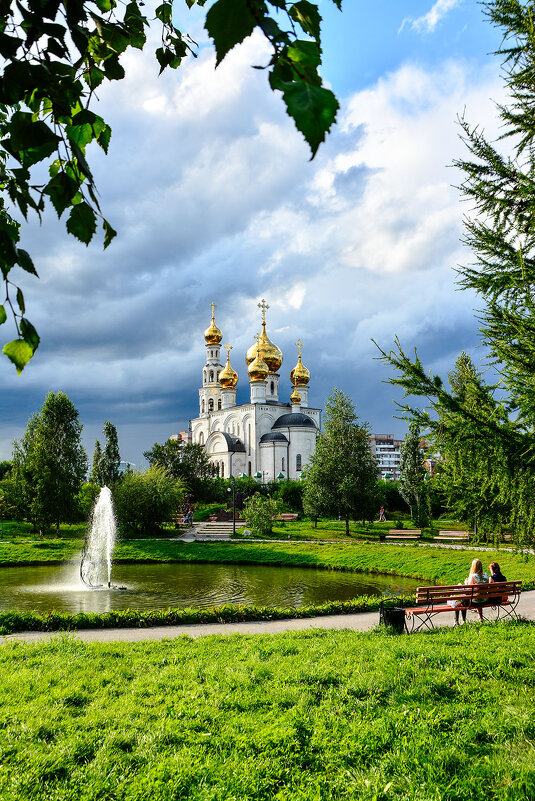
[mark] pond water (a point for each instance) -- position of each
(158, 586)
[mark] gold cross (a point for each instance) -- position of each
(299, 345)
(229, 348)
(264, 306)
(213, 309)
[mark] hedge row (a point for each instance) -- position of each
(12, 622)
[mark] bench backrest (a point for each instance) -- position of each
(469, 593)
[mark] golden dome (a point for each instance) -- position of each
(213, 335)
(269, 352)
(300, 376)
(228, 377)
(295, 397)
(258, 369)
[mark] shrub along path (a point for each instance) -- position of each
(363, 621)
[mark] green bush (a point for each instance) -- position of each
(145, 500)
(291, 494)
(259, 514)
(85, 500)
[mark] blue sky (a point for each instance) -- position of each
(215, 198)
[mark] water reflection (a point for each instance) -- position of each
(158, 586)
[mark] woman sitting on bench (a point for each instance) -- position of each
(476, 577)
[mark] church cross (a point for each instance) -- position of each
(228, 346)
(299, 345)
(264, 306)
(212, 304)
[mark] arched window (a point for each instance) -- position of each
(211, 376)
(222, 474)
(250, 473)
(272, 387)
(219, 403)
(201, 438)
(204, 377)
(282, 468)
(211, 405)
(298, 462)
(202, 406)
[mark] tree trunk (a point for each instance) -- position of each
(347, 525)
(57, 529)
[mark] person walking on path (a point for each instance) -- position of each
(382, 518)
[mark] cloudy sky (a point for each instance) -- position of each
(215, 198)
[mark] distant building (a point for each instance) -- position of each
(265, 437)
(387, 451)
(183, 436)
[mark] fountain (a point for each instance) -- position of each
(95, 567)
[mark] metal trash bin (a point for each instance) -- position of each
(393, 616)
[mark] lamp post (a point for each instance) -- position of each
(233, 490)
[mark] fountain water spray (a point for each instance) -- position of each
(95, 567)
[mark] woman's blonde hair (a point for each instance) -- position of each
(476, 567)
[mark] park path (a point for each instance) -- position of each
(364, 621)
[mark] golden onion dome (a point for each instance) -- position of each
(295, 397)
(258, 369)
(213, 335)
(269, 352)
(300, 376)
(228, 377)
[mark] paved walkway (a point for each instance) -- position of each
(365, 621)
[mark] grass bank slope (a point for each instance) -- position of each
(294, 717)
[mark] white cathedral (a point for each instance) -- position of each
(265, 438)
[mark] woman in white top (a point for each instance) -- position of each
(477, 576)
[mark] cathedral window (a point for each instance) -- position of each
(211, 376)
(202, 407)
(298, 462)
(283, 467)
(272, 387)
(222, 470)
(219, 403)
(211, 405)
(250, 471)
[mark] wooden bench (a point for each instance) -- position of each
(288, 516)
(430, 601)
(452, 536)
(404, 534)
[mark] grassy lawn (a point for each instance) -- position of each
(314, 715)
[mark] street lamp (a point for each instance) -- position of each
(233, 490)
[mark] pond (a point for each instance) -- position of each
(158, 586)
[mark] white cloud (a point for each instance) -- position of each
(215, 198)
(428, 22)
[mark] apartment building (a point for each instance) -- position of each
(386, 448)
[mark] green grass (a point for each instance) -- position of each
(20, 530)
(296, 717)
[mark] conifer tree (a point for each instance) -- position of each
(499, 183)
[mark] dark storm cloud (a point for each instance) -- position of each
(214, 197)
